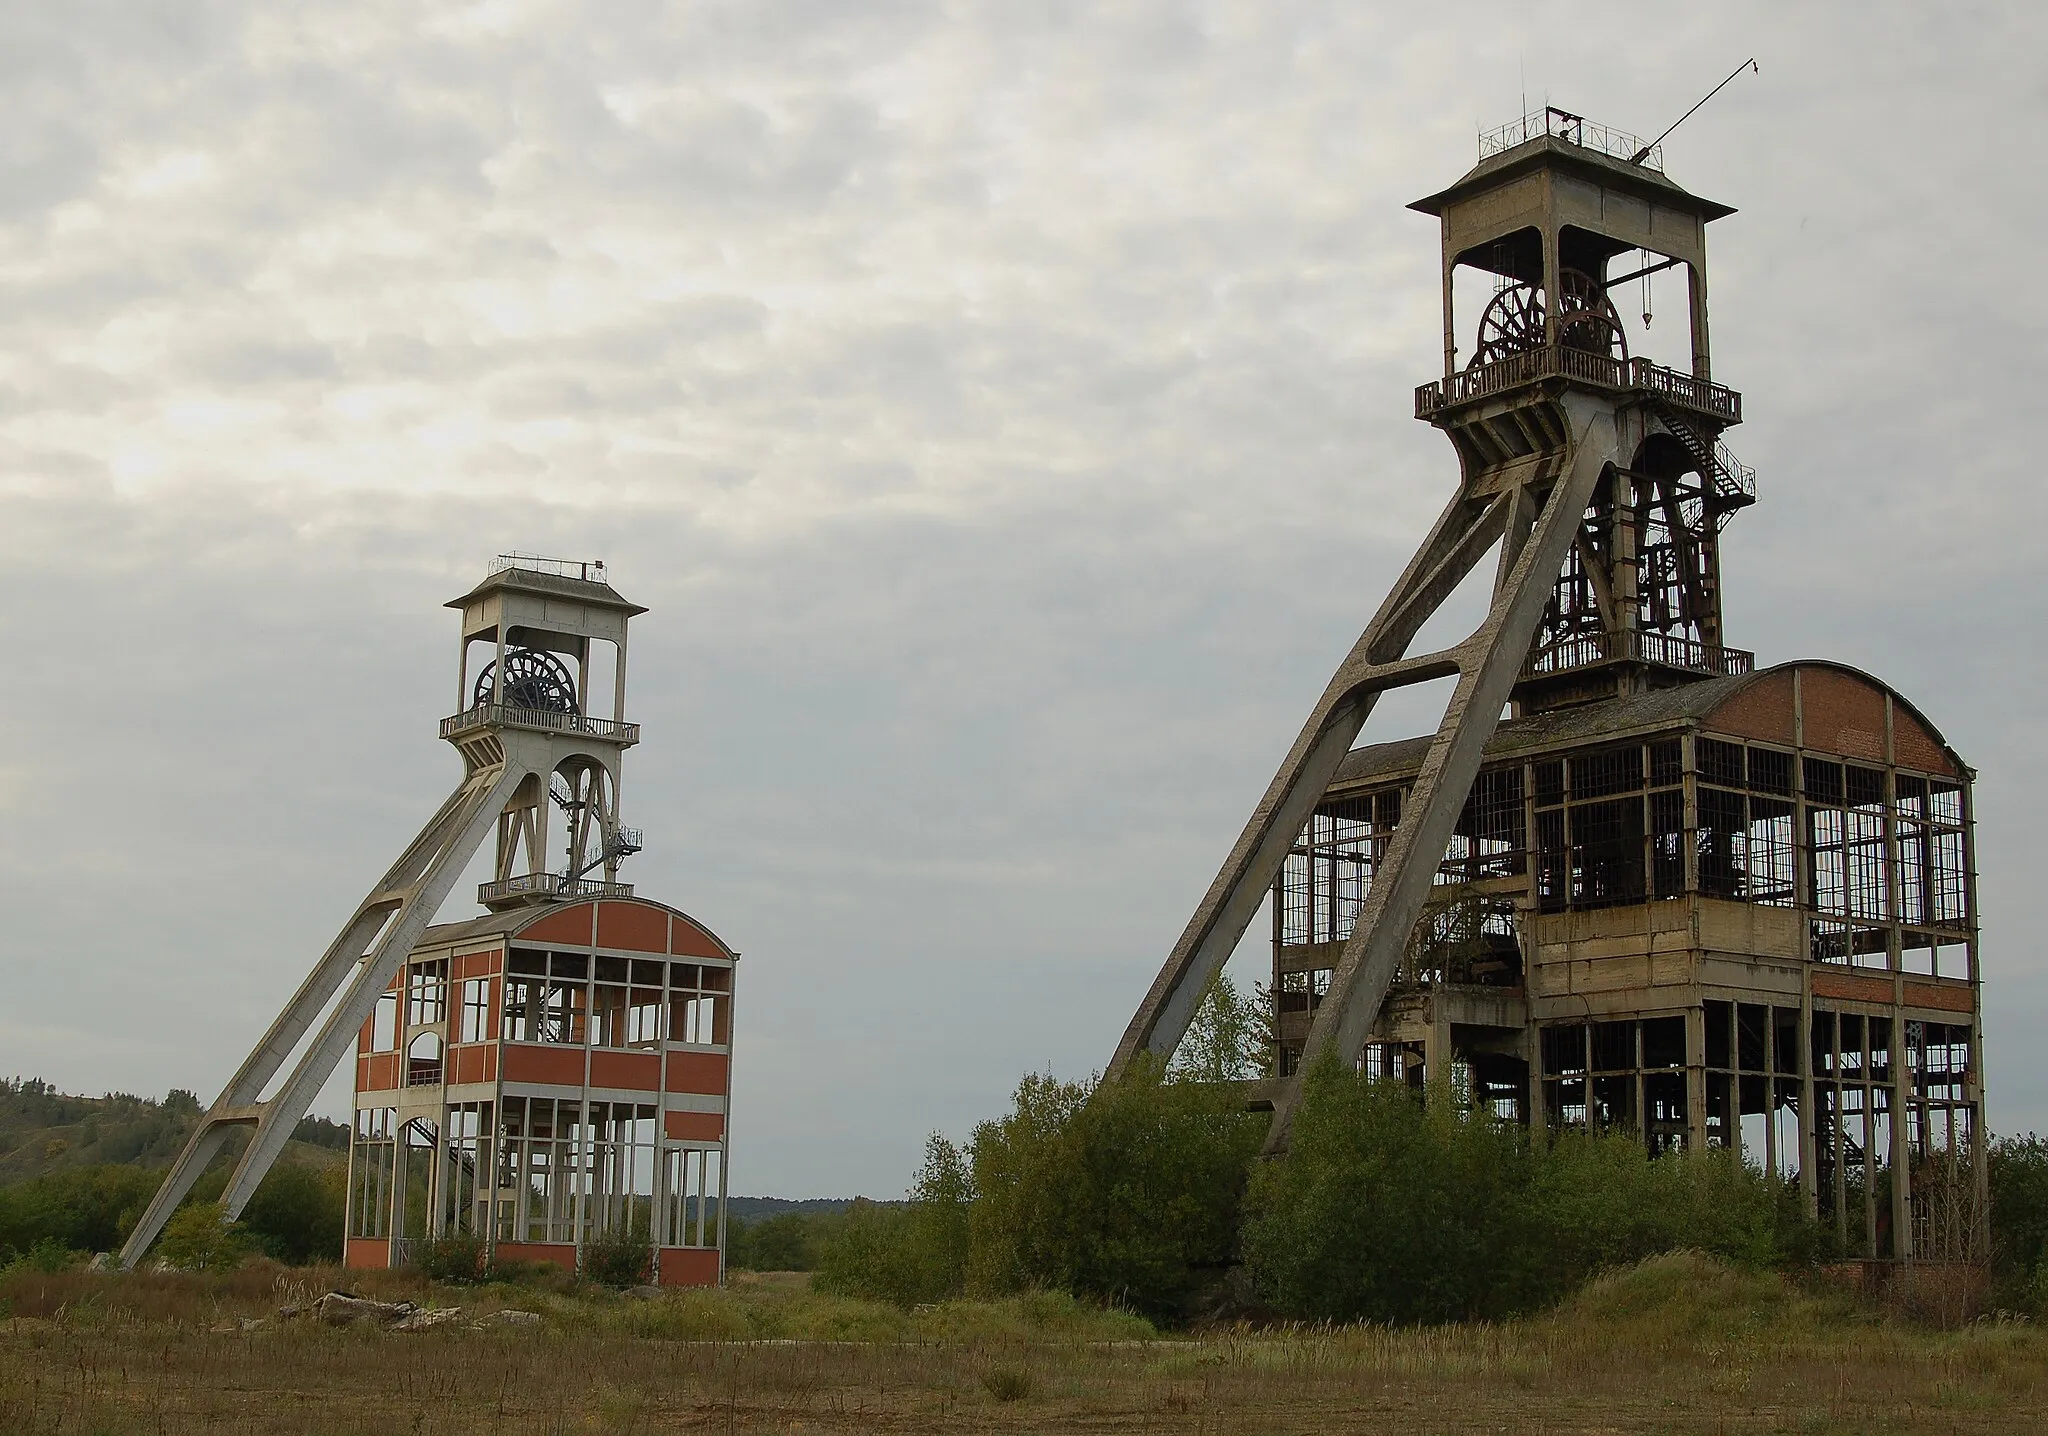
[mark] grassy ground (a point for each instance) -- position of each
(1676, 1345)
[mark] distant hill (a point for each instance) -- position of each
(760, 1209)
(43, 1131)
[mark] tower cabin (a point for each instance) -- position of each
(1684, 899)
(551, 1077)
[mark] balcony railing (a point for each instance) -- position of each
(547, 720)
(549, 885)
(1564, 125)
(1669, 649)
(1600, 371)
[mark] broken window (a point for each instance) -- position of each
(1330, 869)
(693, 1181)
(476, 1010)
(698, 1003)
(426, 992)
(423, 1060)
(384, 1023)
(371, 1162)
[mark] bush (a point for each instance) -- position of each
(911, 1255)
(1126, 1191)
(46, 1255)
(457, 1256)
(790, 1242)
(621, 1258)
(86, 1209)
(199, 1237)
(1385, 1211)
(296, 1214)
(2018, 1171)
(1382, 1211)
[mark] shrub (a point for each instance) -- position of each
(46, 1255)
(1007, 1383)
(1385, 1211)
(199, 1237)
(790, 1242)
(1124, 1191)
(2018, 1170)
(296, 1214)
(911, 1254)
(621, 1257)
(455, 1256)
(89, 1209)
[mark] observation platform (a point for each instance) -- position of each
(1712, 401)
(543, 720)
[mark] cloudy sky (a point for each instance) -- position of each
(1004, 411)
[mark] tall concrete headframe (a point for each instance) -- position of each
(540, 725)
(1629, 882)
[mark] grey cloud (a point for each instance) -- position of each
(1004, 411)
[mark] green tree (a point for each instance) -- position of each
(1227, 1039)
(84, 1209)
(1387, 1209)
(1384, 1211)
(1126, 1191)
(199, 1237)
(2019, 1221)
(296, 1214)
(909, 1254)
(789, 1242)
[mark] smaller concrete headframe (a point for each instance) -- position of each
(528, 741)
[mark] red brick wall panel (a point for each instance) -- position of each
(556, 1066)
(1941, 996)
(475, 964)
(634, 1071)
(1844, 714)
(1762, 710)
(694, 1126)
(562, 1254)
(1851, 987)
(686, 1266)
(636, 927)
(571, 925)
(701, 1072)
(689, 940)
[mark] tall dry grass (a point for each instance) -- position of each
(1676, 1344)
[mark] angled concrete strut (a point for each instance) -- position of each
(362, 960)
(1534, 506)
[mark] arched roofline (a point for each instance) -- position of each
(509, 925)
(1861, 675)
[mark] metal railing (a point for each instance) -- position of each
(1686, 391)
(1575, 129)
(547, 720)
(1601, 371)
(1737, 479)
(589, 570)
(550, 885)
(1672, 650)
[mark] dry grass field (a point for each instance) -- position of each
(1677, 1345)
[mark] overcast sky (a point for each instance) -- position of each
(1004, 411)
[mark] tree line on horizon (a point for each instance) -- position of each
(1148, 1194)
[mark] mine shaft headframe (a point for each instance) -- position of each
(516, 737)
(1542, 424)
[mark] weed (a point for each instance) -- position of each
(1007, 1383)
